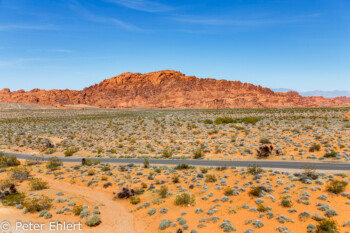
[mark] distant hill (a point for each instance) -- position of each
(169, 89)
(326, 94)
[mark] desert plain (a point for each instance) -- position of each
(132, 197)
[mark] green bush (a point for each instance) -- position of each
(286, 202)
(68, 153)
(135, 200)
(208, 121)
(8, 161)
(163, 191)
(184, 199)
(53, 163)
(19, 173)
(146, 162)
(337, 186)
(265, 141)
(183, 166)
(254, 169)
(331, 154)
(228, 191)
(13, 199)
(175, 179)
(167, 153)
(37, 204)
(224, 120)
(38, 184)
(256, 191)
(327, 226)
(210, 178)
(261, 208)
(198, 153)
(77, 209)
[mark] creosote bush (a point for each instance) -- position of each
(327, 225)
(198, 153)
(8, 161)
(19, 173)
(163, 191)
(37, 204)
(135, 200)
(256, 191)
(184, 199)
(38, 184)
(336, 186)
(210, 178)
(77, 209)
(53, 164)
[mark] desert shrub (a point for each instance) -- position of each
(38, 184)
(163, 191)
(327, 226)
(184, 199)
(331, 154)
(167, 153)
(228, 191)
(264, 141)
(139, 191)
(53, 163)
(112, 151)
(248, 120)
(221, 168)
(210, 178)
(315, 147)
(262, 208)
(34, 161)
(68, 153)
(135, 200)
(37, 204)
(224, 120)
(105, 167)
(91, 172)
(286, 202)
(183, 166)
(256, 191)
(175, 179)
(5, 184)
(77, 209)
(143, 185)
(19, 173)
(208, 121)
(13, 199)
(204, 170)
(146, 162)
(93, 221)
(337, 186)
(8, 161)
(254, 169)
(198, 153)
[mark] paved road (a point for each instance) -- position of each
(343, 166)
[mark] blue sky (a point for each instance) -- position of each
(297, 44)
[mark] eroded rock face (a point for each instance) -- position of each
(169, 89)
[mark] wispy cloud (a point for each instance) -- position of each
(88, 15)
(19, 61)
(143, 5)
(211, 21)
(7, 27)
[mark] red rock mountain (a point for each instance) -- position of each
(169, 89)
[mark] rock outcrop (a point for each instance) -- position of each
(169, 89)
